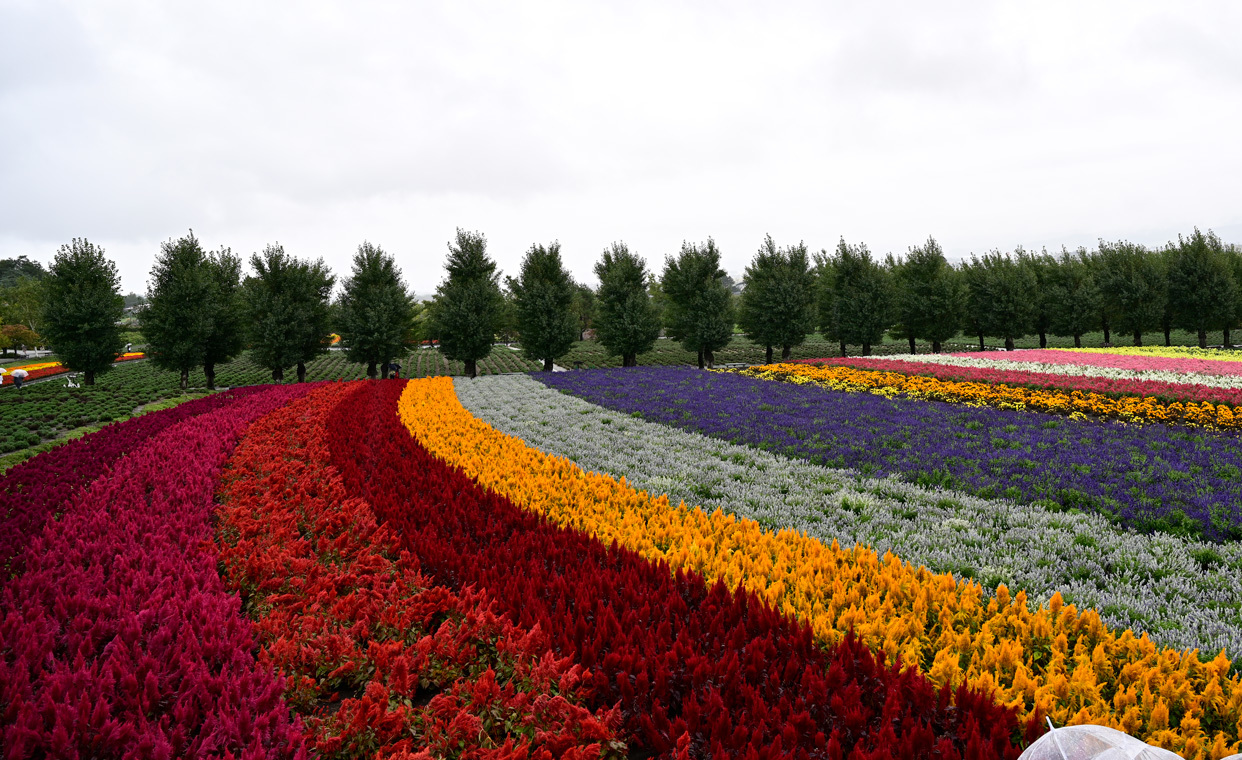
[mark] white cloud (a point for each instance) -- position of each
(323, 124)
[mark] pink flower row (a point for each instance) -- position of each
(1119, 361)
(32, 491)
(119, 639)
(1111, 386)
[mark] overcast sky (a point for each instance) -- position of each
(320, 125)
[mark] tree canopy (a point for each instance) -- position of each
(861, 296)
(376, 312)
(467, 308)
(287, 310)
(627, 322)
(1201, 285)
(83, 304)
(1132, 287)
(699, 304)
(177, 321)
(777, 305)
(543, 295)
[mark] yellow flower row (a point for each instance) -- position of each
(1167, 352)
(1071, 403)
(1054, 658)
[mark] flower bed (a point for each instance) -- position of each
(1140, 362)
(47, 369)
(119, 639)
(1183, 594)
(1049, 658)
(1137, 475)
(32, 492)
(378, 661)
(1170, 352)
(1148, 391)
(696, 668)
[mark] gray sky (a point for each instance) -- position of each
(320, 125)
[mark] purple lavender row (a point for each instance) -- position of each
(1149, 477)
(33, 491)
(120, 640)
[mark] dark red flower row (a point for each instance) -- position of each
(33, 491)
(119, 639)
(698, 670)
(378, 660)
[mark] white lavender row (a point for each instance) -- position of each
(1184, 594)
(1233, 382)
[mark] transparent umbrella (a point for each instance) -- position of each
(1092, 743)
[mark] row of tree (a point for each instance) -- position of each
(200, 311)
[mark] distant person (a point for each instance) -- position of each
(128, 346)
(19, 375)
(3, 371)
(395, 369)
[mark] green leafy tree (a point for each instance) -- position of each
(19, 337)
(862, 296)
(468, 305)
(178, 319)
(1201, 285)
(928, 295)
(584, 308)
(13, 270)
(228, 334)
(543, 295)
(777, 305)
(1233, 257)
(1133, 287)
(1001, 298)
(83, 305)
(627, 321)
(376, 313)
(825, 289)
(1040, 266)
(699, 306)
(1072, 296)
(23, 302)
(287, 310)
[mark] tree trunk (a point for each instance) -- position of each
(1227, 343)
(1138, 337)
(935, 346)
(1043, 339)
(384, 371)
(1077, 341)
(1008, 344)
(472, 368)
(710, 358)
(1168, 336)
(843, 348)
(301, 372)
(767, 355)
(278, 375)
(629, 360)
(981, 346)
(913, 348)
(1202, 338)
(371, 370)
(210, 371)
(700, 358)
(88, 377)
(1107, 340)
(185, 379)
(547, 365)
(866, 348)
(785, 352)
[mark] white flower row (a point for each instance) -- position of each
(1184, 594)
(1080, 370)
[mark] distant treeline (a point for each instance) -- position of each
(200, 311)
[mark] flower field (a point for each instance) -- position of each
(798, 561)
(40, 370)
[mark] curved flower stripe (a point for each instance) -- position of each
(1000, 395)
(1168, 352)
(339, 611)
(1120, 361)
(31, 492)
(1054, 659)
(47, 369)
(699, 670)
(1163, 392)
(120, 640)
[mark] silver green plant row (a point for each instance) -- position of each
(1183, 594)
